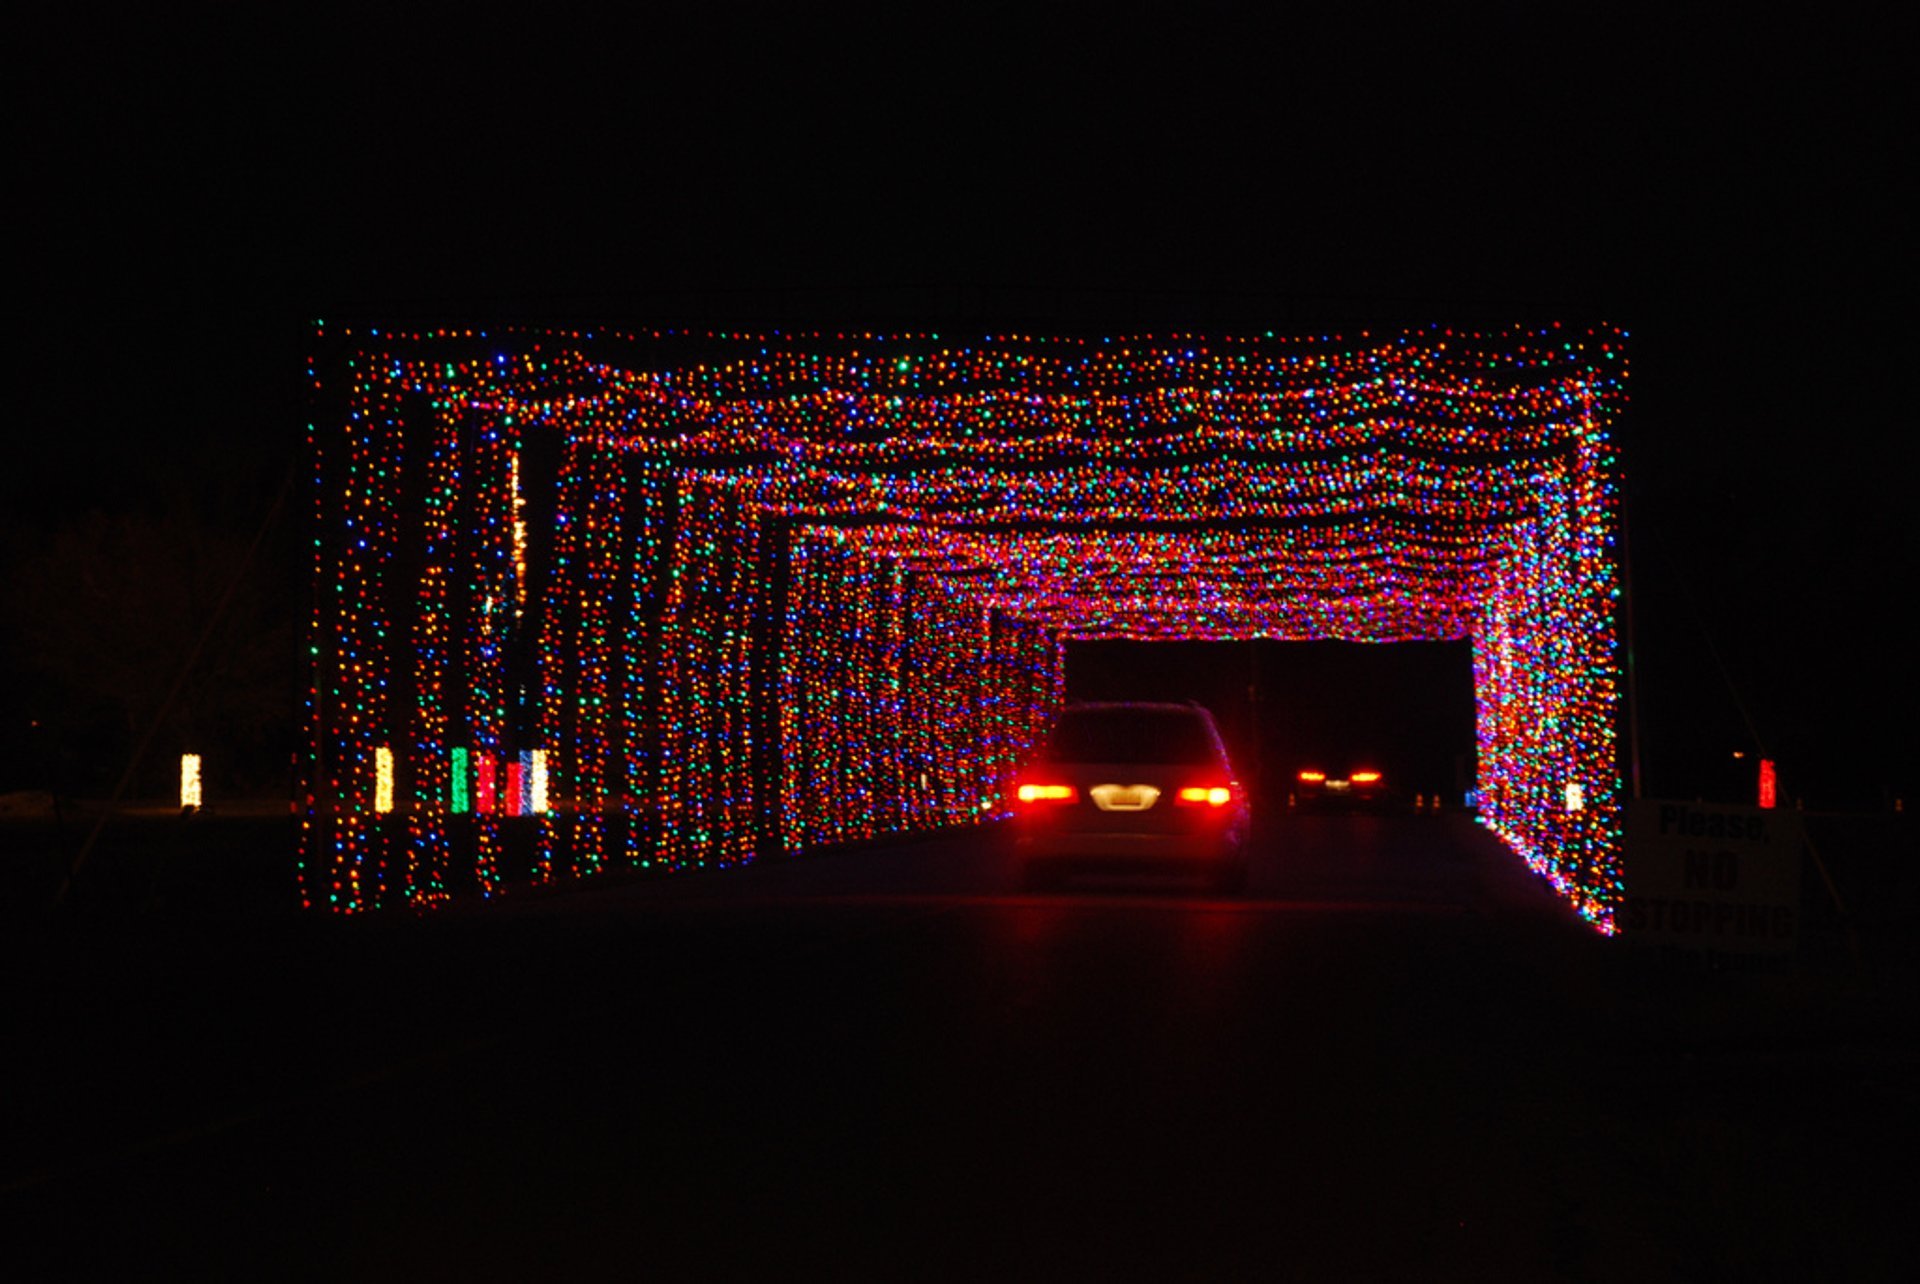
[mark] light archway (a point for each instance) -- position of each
(716, 597)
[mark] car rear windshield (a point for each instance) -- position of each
(1130, 735)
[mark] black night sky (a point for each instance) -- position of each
(199, 184)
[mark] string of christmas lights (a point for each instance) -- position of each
(735, 595)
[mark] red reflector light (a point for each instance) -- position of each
(1366, 777)
(1313, 777)
(1211, 795)
(1046, 793)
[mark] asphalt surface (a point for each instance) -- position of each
(1395, 1057)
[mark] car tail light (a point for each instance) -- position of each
(1313, 777)
(1206, 795)
(1032, 792)
(1366, 777)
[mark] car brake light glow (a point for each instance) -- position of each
(1211, 795)
(1046, 793)
(1365, 777)
(1313, 777)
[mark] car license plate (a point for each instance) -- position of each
(1124, 797)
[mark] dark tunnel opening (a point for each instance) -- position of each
(1406, 707)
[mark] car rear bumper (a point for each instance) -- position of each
(1121, 850)
(1337, 800)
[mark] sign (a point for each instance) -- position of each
(1709, 877)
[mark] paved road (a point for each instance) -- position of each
(1395, 1057)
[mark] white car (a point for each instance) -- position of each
(1132, 788)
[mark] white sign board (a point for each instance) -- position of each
(1711, 877)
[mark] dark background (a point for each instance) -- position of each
(195, 187)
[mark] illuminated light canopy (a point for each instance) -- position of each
(761, 593)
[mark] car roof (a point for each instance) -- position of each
(1165, 706)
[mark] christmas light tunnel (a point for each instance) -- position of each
(591, 599)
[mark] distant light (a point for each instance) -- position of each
(190, 780)
(383, 779)
(1769, 784)
(1576, 798)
